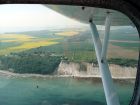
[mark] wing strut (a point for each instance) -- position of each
(101, 51)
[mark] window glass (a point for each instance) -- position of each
(47, 55)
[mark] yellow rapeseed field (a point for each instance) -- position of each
(15, 38)
(26, 46)
(26, 42)
(67, 33)
(29, 45)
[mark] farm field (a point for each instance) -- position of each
(20, 42)
(70, 42)
(127, 44)
(67, 33)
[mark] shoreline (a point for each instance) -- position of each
(11, 74)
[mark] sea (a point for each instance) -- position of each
(59, 91)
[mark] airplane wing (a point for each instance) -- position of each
(98, 15)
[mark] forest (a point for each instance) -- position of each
(39, 64)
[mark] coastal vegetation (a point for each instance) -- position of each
(39, 64)
(48, 62)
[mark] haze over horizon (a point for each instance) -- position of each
(32, 17)
(25, 17)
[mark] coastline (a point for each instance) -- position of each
(11, 74)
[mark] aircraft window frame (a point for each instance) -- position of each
(127, 8)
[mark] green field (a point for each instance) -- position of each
(126, 44)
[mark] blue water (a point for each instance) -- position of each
(58, 91)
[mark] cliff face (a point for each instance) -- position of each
(87, 69)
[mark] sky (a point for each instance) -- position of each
(28, 17)
(21, 17)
